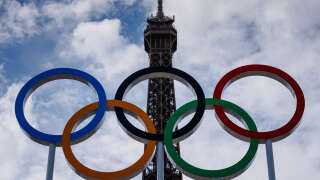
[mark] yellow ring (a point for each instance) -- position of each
(129, 172)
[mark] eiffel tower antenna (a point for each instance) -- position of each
(160, 9)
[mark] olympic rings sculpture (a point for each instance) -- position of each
(169, 137)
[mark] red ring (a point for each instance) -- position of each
(264, 70)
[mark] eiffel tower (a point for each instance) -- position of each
(160, 42)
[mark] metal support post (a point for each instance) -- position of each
(270, 161)
(51, 156)
(160, 159)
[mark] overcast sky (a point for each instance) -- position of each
(105, 39)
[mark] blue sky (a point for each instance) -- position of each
(104, 38)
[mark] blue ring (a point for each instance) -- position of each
(53, 74)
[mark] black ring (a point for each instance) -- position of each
(160, 72)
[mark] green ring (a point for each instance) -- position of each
(195, 172)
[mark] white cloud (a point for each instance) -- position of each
(17, 145)
(3, 79)
(102, 49)
(18, 20)
(75, 10)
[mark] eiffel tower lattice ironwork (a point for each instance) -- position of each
(160, 41)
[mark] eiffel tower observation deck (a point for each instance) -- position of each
(160, 42)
